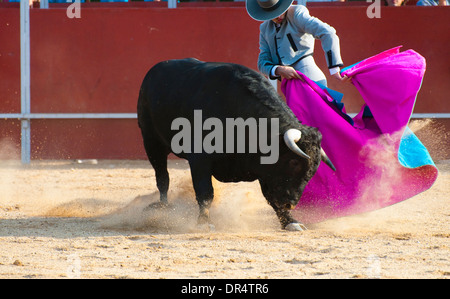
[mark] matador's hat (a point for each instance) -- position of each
(263, 10)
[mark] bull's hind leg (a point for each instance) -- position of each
(204, 192)
(162, 177)
(157, 155)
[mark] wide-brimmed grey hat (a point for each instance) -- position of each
(263, 10)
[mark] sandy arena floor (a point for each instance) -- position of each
(64, 219)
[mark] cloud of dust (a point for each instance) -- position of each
(80, 208)
(380, 157)
(417, 125)
(144, 213)
(9, 152)
(241, 207)
(235, 207)
(434, 137)
(9, 158)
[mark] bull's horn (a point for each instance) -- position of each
(325, 159)
(290, 138)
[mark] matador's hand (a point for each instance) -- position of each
(344, 79)
(287, 72)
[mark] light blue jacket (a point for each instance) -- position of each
(295, 40)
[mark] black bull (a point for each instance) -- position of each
(185, 89)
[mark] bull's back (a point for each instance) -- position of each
(163, 80)
(175, 88)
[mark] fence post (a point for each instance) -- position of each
(25, 80)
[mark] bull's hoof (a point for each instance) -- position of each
(295, 227)
(157, 206)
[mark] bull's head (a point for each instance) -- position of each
(284, 190)
(292, 136)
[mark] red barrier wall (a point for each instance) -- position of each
(96, 63)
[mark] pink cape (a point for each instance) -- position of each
(378, 160)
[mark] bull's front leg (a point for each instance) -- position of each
(281, 208)
(204, 192)
(287, 221)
